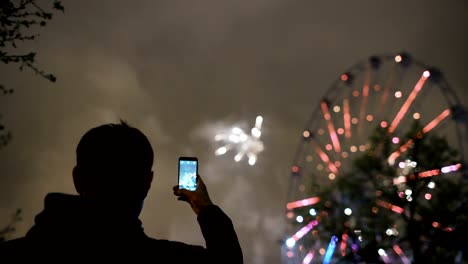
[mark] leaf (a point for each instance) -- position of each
(51, 77)
(58, 5)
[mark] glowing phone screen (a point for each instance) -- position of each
(188, 174)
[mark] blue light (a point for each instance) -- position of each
(330, 250)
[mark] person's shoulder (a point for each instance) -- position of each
(13, 247)
(177, 250)
(170, 244)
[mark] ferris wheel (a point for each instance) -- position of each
(361, 168)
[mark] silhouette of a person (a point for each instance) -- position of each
(112, 176)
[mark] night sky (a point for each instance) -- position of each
(180, 69)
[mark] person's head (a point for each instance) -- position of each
(114, 163)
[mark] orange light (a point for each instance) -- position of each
(346, 118)
(436, 121)
(331, 127)
(344, 77)
(389, 206)
(409, 101)
(302, 203)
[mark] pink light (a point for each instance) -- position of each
(331, 127)
(436, 121)
(308, 258)
(451, 168)
(384, 124)
(428, 196)
(343, 244)
(340, 131)
(325, 158)
(407, 104)
(435, 172)
(399, 180)
(301, 203)
(304, 230)
(290, 254)
(328, 147)
(389, 206)
(347, 118)
(401, 254)
(395, 140)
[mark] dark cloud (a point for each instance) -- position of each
(175, 68)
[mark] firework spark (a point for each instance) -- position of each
(243, 144)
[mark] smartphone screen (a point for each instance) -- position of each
(188, 170)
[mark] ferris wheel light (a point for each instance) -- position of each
(290, 242)
(398, 58)
(348, 211)
(308, 258)
(299, 218)
(394, 99)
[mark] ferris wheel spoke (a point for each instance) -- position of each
(365, 97)
(290, 242)
(402, 255)
(443, 170)
(344, 244)
(388, 87)
(330, 249)
(309, 257)
(434, 123)
(331, 166)
(347, 118)
(331, 127)
(404, 108)
(303, 202)
(387, 205)
(430, 126)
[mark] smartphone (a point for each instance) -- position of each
(188, 171)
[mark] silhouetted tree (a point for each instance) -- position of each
(419, 207)
(10, 227)
(17, 21)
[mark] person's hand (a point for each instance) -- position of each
(197, 199)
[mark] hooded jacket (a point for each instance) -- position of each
(71, 229)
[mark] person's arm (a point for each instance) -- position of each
(222, 244)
